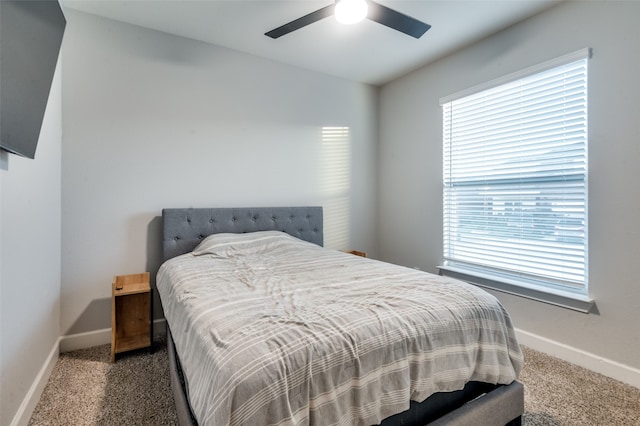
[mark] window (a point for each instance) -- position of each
(515, 183)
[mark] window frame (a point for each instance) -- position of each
(541, 290)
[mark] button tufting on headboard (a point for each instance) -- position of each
(183, 229)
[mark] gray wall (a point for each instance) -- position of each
(153, 120)
(410, 157)
(30, 232)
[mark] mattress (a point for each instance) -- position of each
(272, 330)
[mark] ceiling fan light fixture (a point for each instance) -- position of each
(344, 12)
(351, 11)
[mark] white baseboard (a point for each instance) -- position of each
(23, 415)
(598, 364)
(72, 342)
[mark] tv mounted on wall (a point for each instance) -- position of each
(30, 37)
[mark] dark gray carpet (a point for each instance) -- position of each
(86, 389)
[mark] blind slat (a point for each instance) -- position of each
(515, 178)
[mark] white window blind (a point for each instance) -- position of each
(515, 178)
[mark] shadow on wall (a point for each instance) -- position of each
(154, 261)
(88, 320)
(97, 314)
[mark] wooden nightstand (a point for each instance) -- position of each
(131, 325)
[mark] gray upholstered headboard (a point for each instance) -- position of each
(183, 229)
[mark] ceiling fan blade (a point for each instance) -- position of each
(302, 22)
(396, 20)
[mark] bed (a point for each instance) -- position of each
(280, 339)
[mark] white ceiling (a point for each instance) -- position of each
(366, 52)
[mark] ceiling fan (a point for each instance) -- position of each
(352, 11)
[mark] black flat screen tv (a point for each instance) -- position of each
(31, 34)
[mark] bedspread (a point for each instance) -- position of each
(271, 330)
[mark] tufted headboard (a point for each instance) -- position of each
(183, 229)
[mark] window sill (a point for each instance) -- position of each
(564, 299)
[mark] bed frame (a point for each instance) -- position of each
(478, 404)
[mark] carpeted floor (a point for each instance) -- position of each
(86, 389)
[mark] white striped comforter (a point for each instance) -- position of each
(272, 330)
